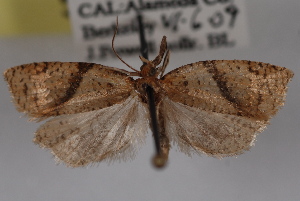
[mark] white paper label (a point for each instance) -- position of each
(188, 24)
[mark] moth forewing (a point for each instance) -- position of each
(54, 88)
(236, 87)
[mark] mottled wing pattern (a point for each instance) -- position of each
(243, 88)
(111, 133)
(218, 107)
(54, 88)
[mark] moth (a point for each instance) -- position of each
(100, 113)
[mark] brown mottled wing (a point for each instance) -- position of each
(54, 88)
(218, 107)
(243, 88)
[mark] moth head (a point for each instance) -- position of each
(148, 69)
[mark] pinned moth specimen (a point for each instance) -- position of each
(101, 113)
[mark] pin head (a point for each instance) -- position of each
(159, 161)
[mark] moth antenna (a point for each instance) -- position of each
(112, 44)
